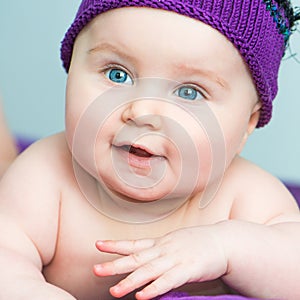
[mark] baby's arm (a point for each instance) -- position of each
(264, 257)
(29, 220)
(256, 252)
(8, 150)
(21, 265)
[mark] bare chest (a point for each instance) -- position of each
(81, 226)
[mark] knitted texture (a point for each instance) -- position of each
(248, 24)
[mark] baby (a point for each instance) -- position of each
(161, 97)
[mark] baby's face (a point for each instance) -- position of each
(153, 100)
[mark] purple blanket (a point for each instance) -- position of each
(184, 296)
(294, 189)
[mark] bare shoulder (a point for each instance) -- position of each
(38, 174)
(259, 195)
(53, 146)
(30, 193)
(44, 155)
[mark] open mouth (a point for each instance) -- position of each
(137, 151)
(139, 157)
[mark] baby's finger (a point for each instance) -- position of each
(168, 281)
(126, 264)
(143, 275)
(125, 247)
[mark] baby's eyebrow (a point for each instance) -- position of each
(193, 70)
(103, 47)
(108, 47)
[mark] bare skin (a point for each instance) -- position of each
(8, 150)
(57, 245)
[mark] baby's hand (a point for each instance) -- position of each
(192, 254)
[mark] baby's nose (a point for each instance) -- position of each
(146, 112)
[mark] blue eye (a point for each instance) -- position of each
(118, 76)
(188, 93)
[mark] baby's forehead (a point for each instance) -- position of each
(161, 27)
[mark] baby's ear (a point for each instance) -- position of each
(254, 118)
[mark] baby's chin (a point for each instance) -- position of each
(128, 204)
(139, 195)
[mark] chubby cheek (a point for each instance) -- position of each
(80, 115)
(82, 126)
(235, 137)
(70, 127)
(82, 92)
(196, 157)
(204, 165)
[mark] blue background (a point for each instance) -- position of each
(32, 83)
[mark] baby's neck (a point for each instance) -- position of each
(123, 209)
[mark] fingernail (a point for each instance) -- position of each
(139, 295)
(115, 290)
(97, 268)
(99, 244)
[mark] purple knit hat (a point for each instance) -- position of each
(257, 28)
